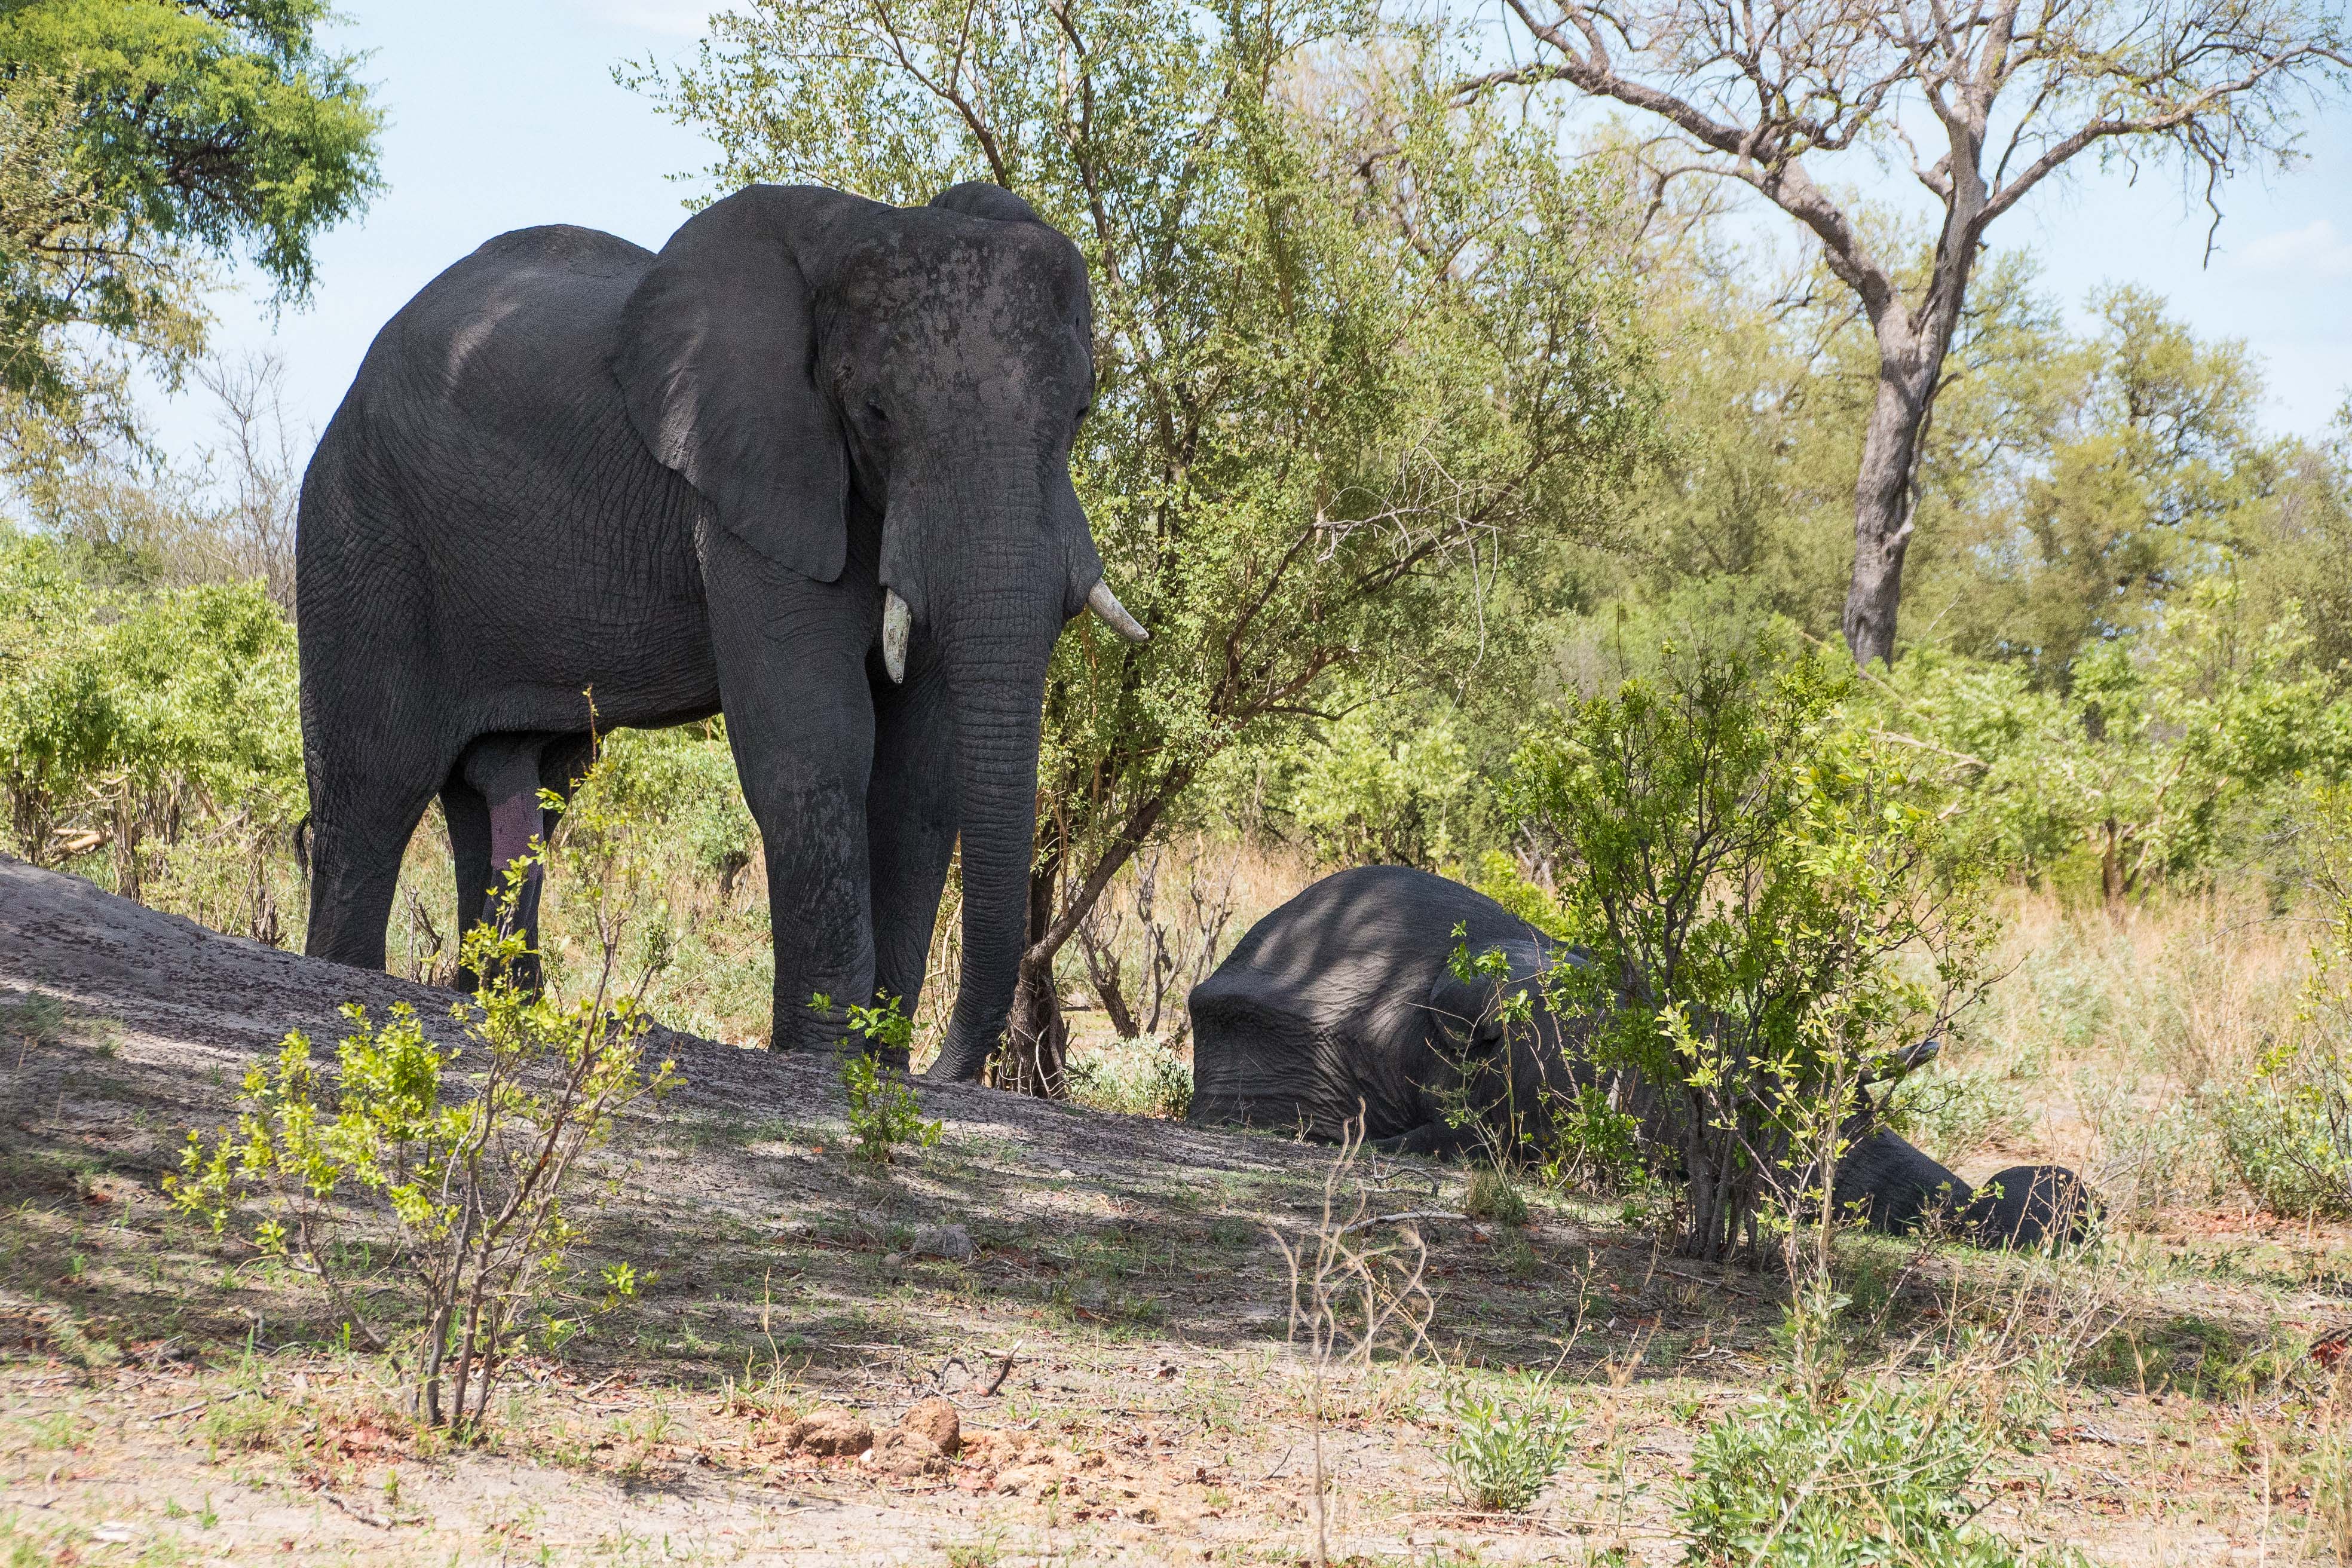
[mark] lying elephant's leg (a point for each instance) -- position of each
(1892, 1186)
(2029, 1205)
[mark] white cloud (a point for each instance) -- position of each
(2315, 250)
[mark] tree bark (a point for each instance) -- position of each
(1035, 1055)
(1885, 499)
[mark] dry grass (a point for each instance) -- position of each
(2104, 1034)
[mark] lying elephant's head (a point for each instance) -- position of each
(1501, 1049)
(804, 357)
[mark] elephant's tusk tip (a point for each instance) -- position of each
(1105, 603)
(898, 624)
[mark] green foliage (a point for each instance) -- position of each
(1505, 1444)
(1771, 911)
(140, 141)
(884, 1115)
(2171, 756)
(2288, 1128)
(472, 1158)
(1356, 346)
(1387, 783)
(681, 784)
(127, 720)
(1880, 1476)
(1136, 1077)
(1593, 1142)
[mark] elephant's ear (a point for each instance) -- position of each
(1466, 1007)
(718, 360)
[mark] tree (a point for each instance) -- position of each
(1761, 909)
(2014, 92)
(1357, 351)
(2130, 467)
(142, 143)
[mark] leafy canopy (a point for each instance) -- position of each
(142, 142)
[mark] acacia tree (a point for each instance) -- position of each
(1356, 349)
(1982, 100)
(143, 143)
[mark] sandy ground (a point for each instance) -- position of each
(162, 1398)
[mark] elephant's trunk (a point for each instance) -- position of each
(996, 675)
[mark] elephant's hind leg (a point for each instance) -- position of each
(492, 802)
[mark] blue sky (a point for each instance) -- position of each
(503, 114)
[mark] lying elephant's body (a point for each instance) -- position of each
(1341, 1007)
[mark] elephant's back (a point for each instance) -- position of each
(481, 501)
(529, 316)
(1323, 1004)
(1352, 939)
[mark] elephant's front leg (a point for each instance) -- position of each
(791, 677)
(910, 820)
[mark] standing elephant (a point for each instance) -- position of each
(809, 467)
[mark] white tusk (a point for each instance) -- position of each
(1104, 602)
(897, 622)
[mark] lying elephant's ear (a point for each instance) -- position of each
(982, 198)
(717, 359)
(1467, 1006)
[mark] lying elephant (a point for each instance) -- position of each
(1342, 1004)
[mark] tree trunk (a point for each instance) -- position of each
(1036, 1057)
(1886, 493)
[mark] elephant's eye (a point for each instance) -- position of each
(877, 412)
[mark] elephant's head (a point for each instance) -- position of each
(1511, 1067)
(793, 348)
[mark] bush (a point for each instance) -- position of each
(1771, 914)
(884, 1115)
(1387, 783)
(2288, 1129)
(475, 1172)
(128, 722)
(1504, 1449)
(1139, 1077)
(1880, 1476)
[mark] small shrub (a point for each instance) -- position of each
(1764, 908)
(1592, 1143)
(1505, 1446)
(2288, 1128)
(474, 1171)
(1879, 1476)
(1138, 1077)
(1493, 1196)
(884, 1115)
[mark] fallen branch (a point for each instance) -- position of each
(377, 1519)
(1003, 1371)
(199, 1405)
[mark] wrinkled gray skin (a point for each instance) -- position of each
(683, 482)
(1341, 1004)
